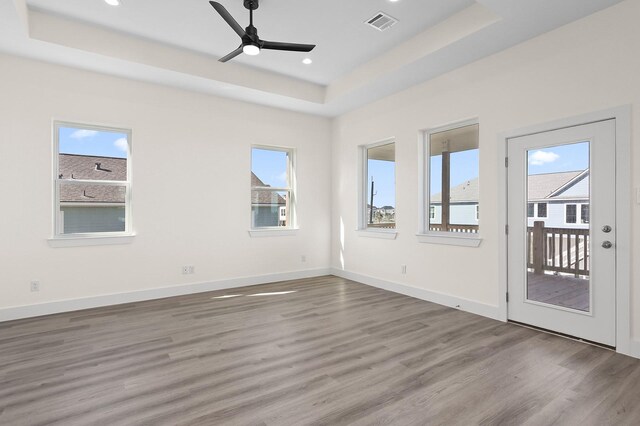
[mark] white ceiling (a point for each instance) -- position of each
(336, 26)
(178, 43)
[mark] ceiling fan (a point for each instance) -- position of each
(251, 43)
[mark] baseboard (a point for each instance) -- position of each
(471, 306)
(634, 349)
(55, 307)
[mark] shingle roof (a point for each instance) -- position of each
(264, 197)
(72, 166)
(540, 187)
(465, 192)
(543, 185)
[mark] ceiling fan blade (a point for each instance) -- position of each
(294, 47)
(231, 55)
(228, 18)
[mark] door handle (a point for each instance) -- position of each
(607, 244)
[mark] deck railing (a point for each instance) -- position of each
(468, 229)
(381, 225)
(558, 250)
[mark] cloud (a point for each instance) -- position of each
(83, 134)
(283, 177)
(540, 158)
(121, 144)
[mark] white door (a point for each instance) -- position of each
(561, 242)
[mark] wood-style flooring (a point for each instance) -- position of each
(322, 351)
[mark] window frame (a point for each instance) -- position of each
(566, 205)
(546, 212)
(59, 238)
(582, 209)
(424, 234)
(292, 225)
(363, 182)
(531, 210)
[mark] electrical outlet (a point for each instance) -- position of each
(35, 285)
(185, 270)
(303, 258)
(188, 270)
(192, 270)
(403, 269)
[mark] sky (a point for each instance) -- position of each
(562, 158)
(383, 174)
(464, 167)
(270, 166)
(92, 142)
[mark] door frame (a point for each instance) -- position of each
(622, 116)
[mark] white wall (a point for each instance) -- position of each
(191, 155)
(191, 185)
(587, 66)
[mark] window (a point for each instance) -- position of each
(92, 181)
(584, 213)
(452, 160)
(542, 209)
(272, 194)
(378, 198)
(570, 213)
(530, 209)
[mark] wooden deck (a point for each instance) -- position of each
(560, 290)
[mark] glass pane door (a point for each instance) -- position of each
(558, 243)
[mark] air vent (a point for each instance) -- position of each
(381, 21)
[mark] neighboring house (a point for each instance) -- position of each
(92, 208)
(560, 200)
(386, 210)
(464, 205)
(268, 208)
(382, 215)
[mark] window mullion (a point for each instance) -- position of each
(93, 182)
(269, 188)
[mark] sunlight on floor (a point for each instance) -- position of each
(275, 293)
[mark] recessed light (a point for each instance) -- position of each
(307, 61)
(394, 1)
(112, 2)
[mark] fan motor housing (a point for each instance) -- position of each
(251, 4)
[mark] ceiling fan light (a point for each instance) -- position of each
(112, 2)
(251, 49)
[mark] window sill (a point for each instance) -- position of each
(462, 240)
(83, 241)
(386, 234)
(273, 232)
